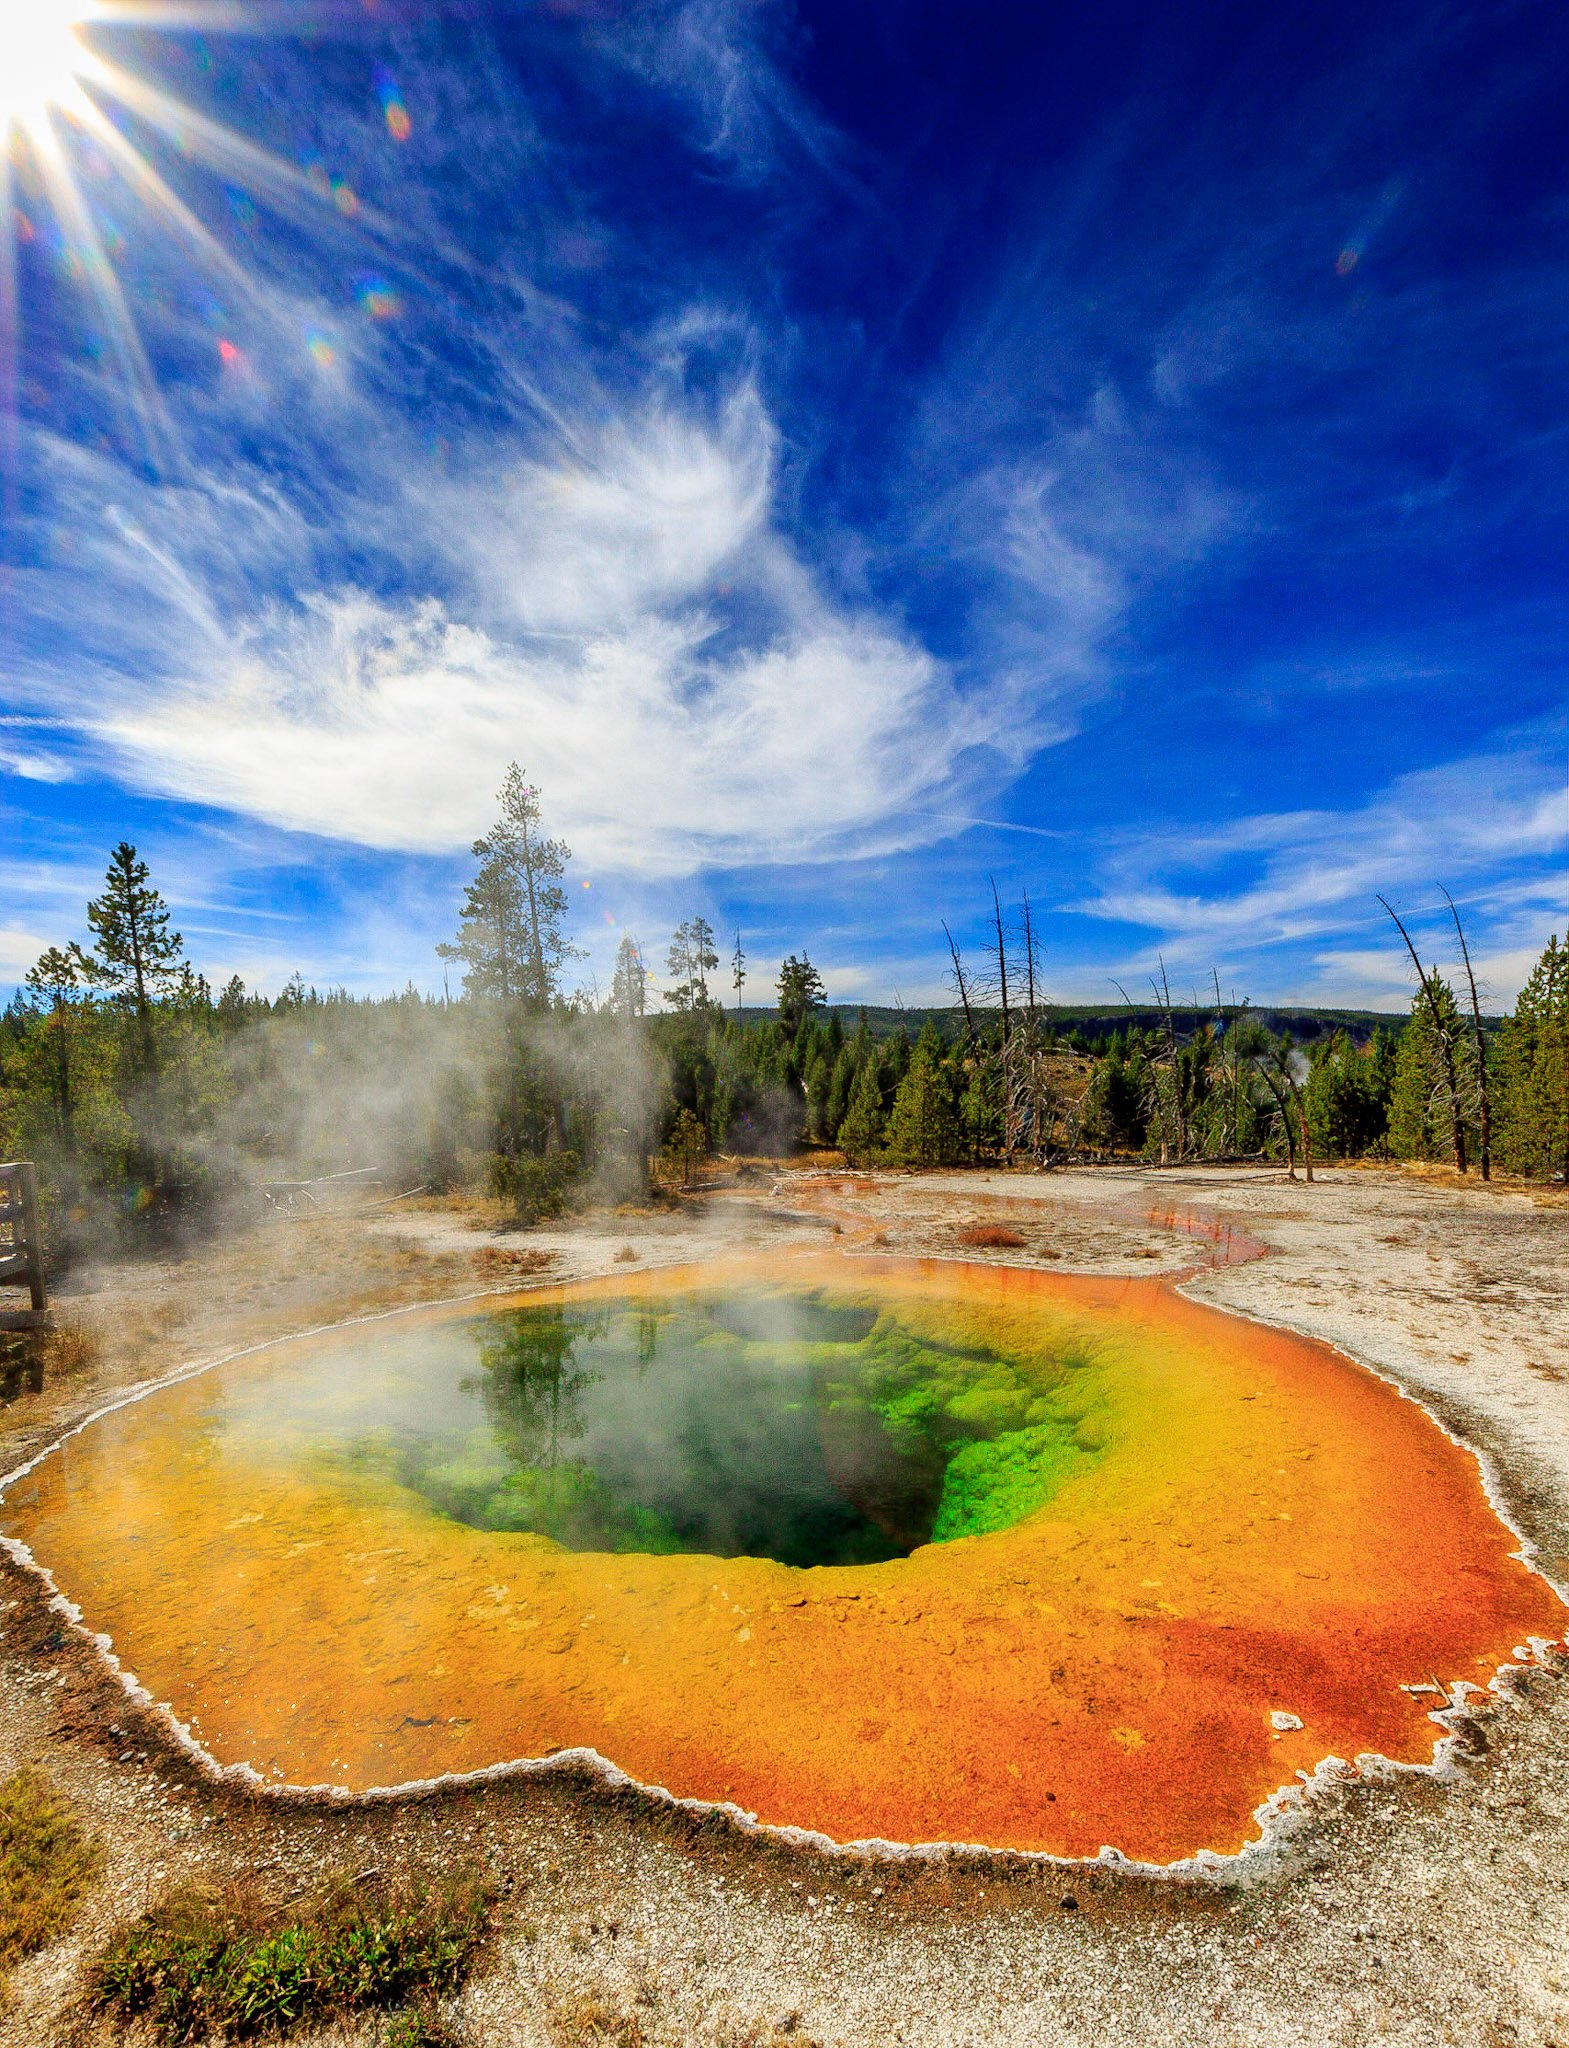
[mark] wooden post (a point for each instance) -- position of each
(23, 1264)
(32, 1237)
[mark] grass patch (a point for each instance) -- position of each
(68, 1350)
(238, 1967)
(421, 2027)
(500, 1261)
(991, 1237)
(46, 1864)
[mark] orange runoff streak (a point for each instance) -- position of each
(1268, 1530)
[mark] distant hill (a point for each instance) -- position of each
(1095, 1024)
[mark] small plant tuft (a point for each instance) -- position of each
(196, 1965)
(67, 1351)
(46, 1864)
(991, 1237)
(420, 2027)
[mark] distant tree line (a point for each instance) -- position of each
(142, 1091)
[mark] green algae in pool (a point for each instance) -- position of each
(749, 1424)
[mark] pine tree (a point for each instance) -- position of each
(686, 1147)
(235, 1007)
(800, 992)
(629, 987)
(861, 1133)
(511, 933)
(840, 1083)
(982, 1108)
(924, 1128)
(1422, 1117)
(689, 961)
(1346, 1110)
(59, 986)
(136, 955)
(816, 1080)
(1113, 1117)
(1533, 1071)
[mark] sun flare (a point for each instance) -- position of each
(63, 104)
(42, 57)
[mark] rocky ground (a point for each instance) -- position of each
(1403, 1907)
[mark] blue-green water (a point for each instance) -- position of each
(754, 1423)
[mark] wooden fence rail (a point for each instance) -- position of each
(21, 1246)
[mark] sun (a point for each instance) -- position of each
(63, 107)
(42, 57)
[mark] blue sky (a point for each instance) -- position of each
(842, 452)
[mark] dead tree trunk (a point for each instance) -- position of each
(1302, 1124)
(1236, 1069)
(1284, 1108)
(1446, 1049)
(1005, 1052)
(1179, 1121)
(1029, 951)
(961, 985)
(1002, 963)
(1484, 1115)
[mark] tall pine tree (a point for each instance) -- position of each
(136, 956)
(924, 1127)
(512, 927)
(1533, 1071)
(860, 1134)
(1424, 1110)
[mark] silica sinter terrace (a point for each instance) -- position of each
(914, 1551)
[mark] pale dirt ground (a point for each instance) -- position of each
(1406, 1909)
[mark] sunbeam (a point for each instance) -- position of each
(56, 93)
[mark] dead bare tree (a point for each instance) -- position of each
(1162, 990)
(1236, 1065)
(1031, 953)
(961, 985)
(1278, 1096)
(1280, 1054)
(1002, 960)
(1445, 1046)
(1484, 1115)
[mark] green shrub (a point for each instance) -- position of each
(537, 1188)
(195, 1965)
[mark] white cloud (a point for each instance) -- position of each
(714, 56)
(30, 765)
(19, 948)
(629, 623)
(391, 727)
(1495, 823)
(1444, 822)
(643, 514)
(1060, 544)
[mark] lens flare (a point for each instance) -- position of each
(393, 107)
(56, 85)
(379, 300)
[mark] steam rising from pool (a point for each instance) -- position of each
(908, 1551)
(760, 1423)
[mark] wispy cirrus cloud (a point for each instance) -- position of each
(1493, 828)
(721, 60)
(625, 617)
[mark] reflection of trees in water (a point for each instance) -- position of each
(803, 1429)
(647, 1338)
(531, 1387)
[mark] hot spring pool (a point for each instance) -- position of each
(915, 1551)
